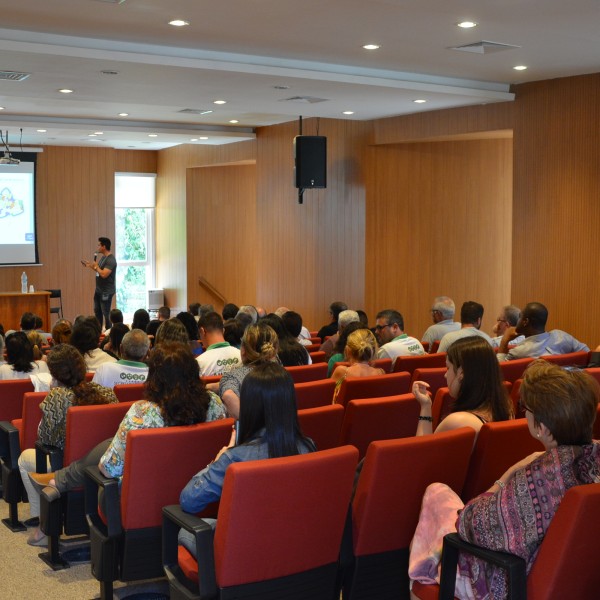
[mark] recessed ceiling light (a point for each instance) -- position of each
(419, 101)
(99, 132)
(220, 102)
(91, 135)
(1, 107)
(123, 114)
(467, 24)
(520, 68)
(65, 91)
(178, 23)
(203, 137)
(41, 130)
(371, 47)
(234, 121)
(348, 112)
(153, 135)
(194, 140)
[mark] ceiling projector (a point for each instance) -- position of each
(7, 159)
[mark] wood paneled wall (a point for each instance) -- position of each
(556, 217)
(221, 233)
(172, 245)
(75, 204)
(438, 223)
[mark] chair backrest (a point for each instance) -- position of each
(89, 376)
(435, 377)
(576, 359)
(311, 394)
(377, 363)
(353, 388)
(395, 474)
(11, 398)
(596, 433)
(322, 424)
(313, 347)
(499, 445)
(374, 419)
(129, 392)
(441, 406)
(513, 369)
(282, 516)
(566, 565)
(594, 372)
(159, 463)
(87, 426)
(318, 357)
(32, 415)
(210, 379)
(308, 372)
(515, 395)
(434, 347)
(423, 361)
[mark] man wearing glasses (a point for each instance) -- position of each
(390, 331)
(442, 314)
(509, 317)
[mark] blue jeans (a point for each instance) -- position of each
(102, 303)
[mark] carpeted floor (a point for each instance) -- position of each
(23, 576)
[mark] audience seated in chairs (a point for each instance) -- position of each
(514, 514)
(340, 345)
(474, 379)
(141, 318)
(67, 367)
(111, 344)
(345, 318)
(268, 428)
(61, 332)
(291, 353)
(86, 337)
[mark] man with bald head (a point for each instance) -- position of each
(538, 342)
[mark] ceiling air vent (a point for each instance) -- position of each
(484, 47)
(13, 76)
(194, 111)
(304, 99)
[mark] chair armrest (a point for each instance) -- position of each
(174, 519)
(104, 491)
(42, 452)
(514, 565)
(10, 446)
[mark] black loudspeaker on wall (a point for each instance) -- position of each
(310, 153)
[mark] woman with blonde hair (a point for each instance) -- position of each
(259, 345)
(361, 348)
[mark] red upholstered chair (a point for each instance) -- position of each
(89, 376)
(322, 425)
(210, 379)
(515, 395)
(129, 392)
(318, 357)
(594, 372)
(574, 359)
(386, 507)
(354, 388)
(126, 536)
(374, 419)
(311, 394)
(315, 339)
(378, 363)
(11, 398)
(313, 347)
(15, 437)
(441, 406)
(514, 369)
(308, 372)
(499, 446)
(564, 567)
(86, 427)
(435, 377)
(434, 347)
(423, 361)
(596, 432)
(425, 346)
(278, 534)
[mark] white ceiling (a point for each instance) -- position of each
(245, 51)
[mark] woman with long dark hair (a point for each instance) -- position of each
(20, 363)
(474, 378)
(268, 428)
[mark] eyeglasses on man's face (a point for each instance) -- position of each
(380, 327)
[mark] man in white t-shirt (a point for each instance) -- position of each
(219, 356)
(130, 368)
(390, 330)
(471, 317)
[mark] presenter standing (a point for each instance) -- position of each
(106, 270)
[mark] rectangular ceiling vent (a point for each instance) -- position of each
(13, 76)
(304, 99)
(484, 47)
(194, 111)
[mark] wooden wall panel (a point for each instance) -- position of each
(75, 205)
(438, 223)
(172, 246)
(311, 254)
(221, 233)
(556, 216)
(140, 161)
(437, 123)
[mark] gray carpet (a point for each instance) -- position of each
(23, 576)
